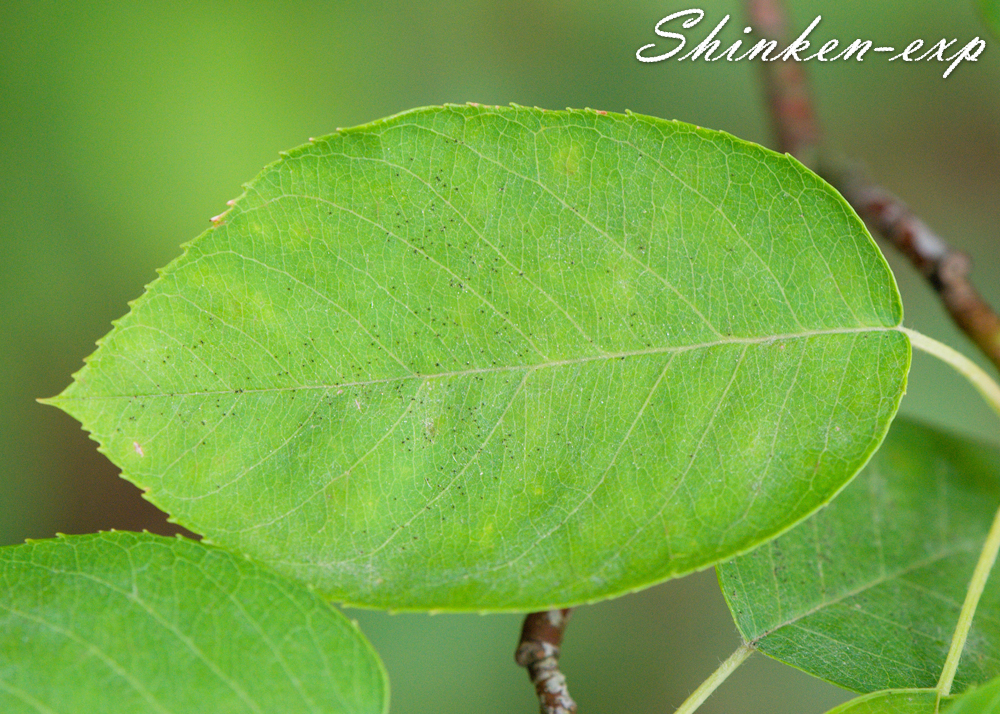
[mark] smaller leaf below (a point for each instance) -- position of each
(900, 701)
(128, 622)
(866, 594)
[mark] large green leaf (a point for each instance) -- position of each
(920, 701)
(502, 358)
(127, 622)
(866, 593)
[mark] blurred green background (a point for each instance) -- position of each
(125, 126)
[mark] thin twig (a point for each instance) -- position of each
(792, 115)
(798, 134)
(538, 651)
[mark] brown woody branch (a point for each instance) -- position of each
(798, 134)
(792, 115)
(538, 651)
(945, 268)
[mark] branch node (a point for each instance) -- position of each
(956, 266)
(538, 652)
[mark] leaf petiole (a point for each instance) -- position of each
(717, 677)
(987, 557)
(988, 388)
(978, 377)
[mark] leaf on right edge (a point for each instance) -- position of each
(900, 701)
(990, 10)
(866, 594)
(982, 700)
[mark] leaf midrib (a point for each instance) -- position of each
(608, 356)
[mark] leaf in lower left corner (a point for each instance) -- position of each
(126, 622)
